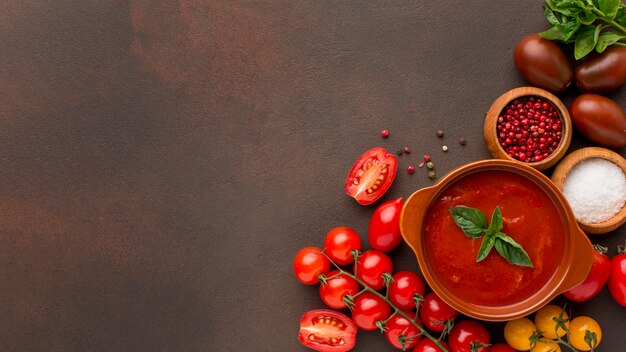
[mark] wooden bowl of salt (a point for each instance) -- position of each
(593, 181)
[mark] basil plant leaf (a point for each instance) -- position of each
(550, 16)
(511, 250)
(496, 221)
(586, 41)
(586, 18)
(485, 247)
(554, 33)
(608, 7)
(472, 221)
(607, 39)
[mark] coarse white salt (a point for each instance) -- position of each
(595, 189)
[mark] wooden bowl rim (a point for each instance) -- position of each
(576, 157)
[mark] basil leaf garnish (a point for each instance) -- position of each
(472, 221)
(485, 246)
(512, 251)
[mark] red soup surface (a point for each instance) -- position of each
(530, 218)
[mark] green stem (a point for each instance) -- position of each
(618, 26)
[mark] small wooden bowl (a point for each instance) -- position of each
(491, 120)
(562, 170)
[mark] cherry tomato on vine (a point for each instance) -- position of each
(368, 309)
(404, 287)
(544, 321)
(327, 331)
(596, 279)
(384, 229)
(333, 291)
(427, 345)
(501, 347)
(399, 325)
(617, 280)
(371, 176)
(468, 333)
(578, 328)
(545, 345)
(308, 264)
(434, 312)
(517, 333)
(339, 242)
(370, 267)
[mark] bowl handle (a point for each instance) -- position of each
(581, 259)
(412, 214)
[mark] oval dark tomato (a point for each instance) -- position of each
(384, 229)
(371, 176)
(339, 242)
(370, 267)
(596, 279)
(308, 264)
(466, 333)
(327, 331)
(404, 287)
(617, 279)
(334, 290)
(543, 63)
(603, 72)
(368, 309)
(399, 326)
(600, 119)
(501, 347)
(427, 345)
(435, 313)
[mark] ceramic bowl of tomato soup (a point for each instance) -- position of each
(535, 214)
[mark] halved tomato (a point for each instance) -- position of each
(371, 176)
(327, 331)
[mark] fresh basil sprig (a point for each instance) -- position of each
(587, 24)
(474, 224)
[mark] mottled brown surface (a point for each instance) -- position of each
(163, 161)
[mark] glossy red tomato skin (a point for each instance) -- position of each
(466, 331)
(371, 265)
(368, 309)
(333, 291)
(594, 282)
(434, 310)
(400, 325)
(384, 229)
(603, 72)
(543, 63)
(599, 119)
(617, 280)
(308, 264)
(314, 323)
(404, 287)
(339, 242)
(500, 347)
(427, 345)
(361, 181)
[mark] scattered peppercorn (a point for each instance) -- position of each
(431, 175)
(421, 164)
(410, 169)
(384, 133)
(426, 157)
(440, 133)
(430, 165)
(462, 141)
(445, 148)
(407, 150)
(399, 151)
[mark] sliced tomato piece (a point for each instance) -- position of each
(327, 331)
(371, 176)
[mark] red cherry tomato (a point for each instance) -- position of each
(368, 309)
(434, 312)
(333, 291)
(543, 63)
(339, 242)
(427, 345)
(596, 279)
(617, 280)
(399, 325)
(603, 72)
(384, 230)
(500, 347)
(466, 333)
(308, 264)
(371, 176)
(370, 267)
(327, 331)
(600, 119)
(404, 287)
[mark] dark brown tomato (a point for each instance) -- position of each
(599, 119)
(543, 63)
(603, 72)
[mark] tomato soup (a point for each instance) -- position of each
(530, 218)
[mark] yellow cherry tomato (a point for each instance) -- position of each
(517, 333)
(578, 328)
(544, 320)
(546, 345)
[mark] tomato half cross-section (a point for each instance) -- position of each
(327, 331)
(371, 175)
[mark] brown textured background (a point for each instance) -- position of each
(162, 162)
